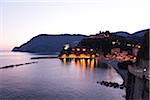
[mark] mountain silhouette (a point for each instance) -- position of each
(49, 44)
(53, 44)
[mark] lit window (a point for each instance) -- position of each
(129, 45)
(133, 45)
(134, 58)
(84, 49)
(119, 43)
(139, 46)
(113, 42)
(91, 50)
(93, 56)
(78, 49)
(73, 49)
(66, 46)
(144, 69)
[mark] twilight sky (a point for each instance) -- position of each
(20, 20)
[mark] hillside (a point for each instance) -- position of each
(49, 44)
(52, 44)
(136, 37)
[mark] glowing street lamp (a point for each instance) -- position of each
(139, 46)
(66, 46)
(93, 56)
(113, 42)
(78, 49)
(84, 49)
(91, 50)
(73, 49)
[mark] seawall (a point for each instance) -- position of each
(136, 81)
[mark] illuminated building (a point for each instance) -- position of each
(78, 52)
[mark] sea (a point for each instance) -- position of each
(56, 79)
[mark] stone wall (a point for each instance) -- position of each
(137, 88)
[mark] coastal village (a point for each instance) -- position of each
(132, 60)
(103, 43)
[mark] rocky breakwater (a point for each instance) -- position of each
(17, 65)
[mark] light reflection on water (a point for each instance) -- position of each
(81, 63)
(90, 64)
(54, 79)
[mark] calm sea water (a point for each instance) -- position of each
(55, 79)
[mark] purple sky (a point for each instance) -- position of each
(20, 20)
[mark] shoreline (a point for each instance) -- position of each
(114, 64)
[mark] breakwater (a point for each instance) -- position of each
(111, 84)
(17, 65)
